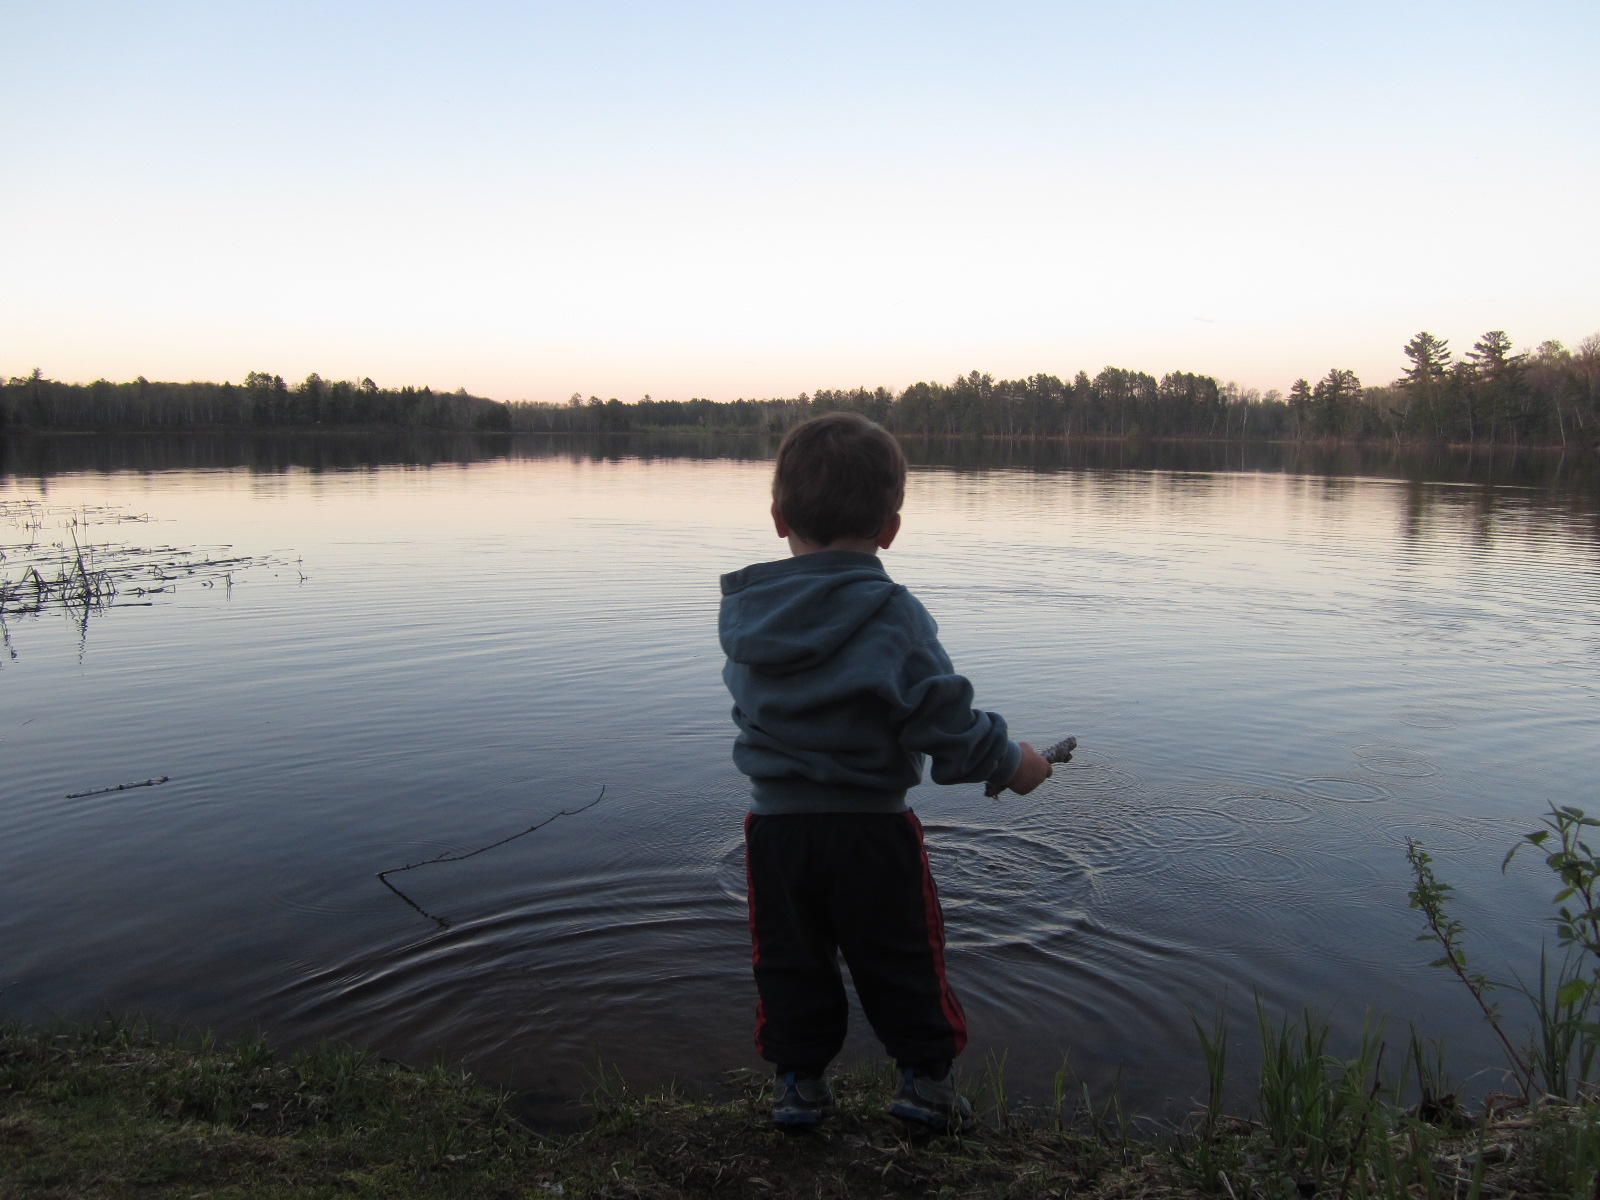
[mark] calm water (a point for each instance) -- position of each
(1278, 668)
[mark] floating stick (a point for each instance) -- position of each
(121, 787)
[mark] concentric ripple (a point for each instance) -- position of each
(1343, 789)
(1263, 807)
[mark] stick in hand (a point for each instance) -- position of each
(1061, 752)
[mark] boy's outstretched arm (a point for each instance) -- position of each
(1033, 771)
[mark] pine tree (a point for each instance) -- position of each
(1498, 383)
(1425, 377)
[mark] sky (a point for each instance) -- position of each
(531, 200)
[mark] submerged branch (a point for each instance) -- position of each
(382, 876)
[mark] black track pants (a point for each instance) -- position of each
(857, 884)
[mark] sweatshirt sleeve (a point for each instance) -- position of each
(966, 745)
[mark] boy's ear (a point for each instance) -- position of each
(886, 535)
(778, 522)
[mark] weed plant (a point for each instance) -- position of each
(1561, 1059)
(1330, 1126)
(57, 570)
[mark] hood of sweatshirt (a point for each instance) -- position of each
(792, 614)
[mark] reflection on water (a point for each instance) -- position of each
(43, 456)
(1277, 676)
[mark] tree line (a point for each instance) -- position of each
(1492, 393)
(1549, 396)
(262, 401)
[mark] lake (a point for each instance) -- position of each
(1280, 664)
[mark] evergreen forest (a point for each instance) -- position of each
(1492, 393)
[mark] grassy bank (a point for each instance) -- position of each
(113, 1110)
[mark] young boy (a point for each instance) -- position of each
(840, 690)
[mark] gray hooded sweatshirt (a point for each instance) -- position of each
(841, 689)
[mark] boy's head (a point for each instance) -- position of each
(838, 476)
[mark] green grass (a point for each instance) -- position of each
(115, 1109)
(1332, 1126)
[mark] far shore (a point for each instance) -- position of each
(692, 432)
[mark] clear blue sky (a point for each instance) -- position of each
(719, 199)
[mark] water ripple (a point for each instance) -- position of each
(1343, 789)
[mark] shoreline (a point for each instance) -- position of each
(115, 1108)
(693, 433)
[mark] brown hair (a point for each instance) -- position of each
(838, 475)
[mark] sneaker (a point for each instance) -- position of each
(798, 1100)
(932, 1102)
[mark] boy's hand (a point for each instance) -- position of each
(1033, 771)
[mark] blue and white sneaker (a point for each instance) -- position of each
(932, 1102)
(798, 1100)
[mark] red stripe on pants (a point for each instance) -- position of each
(755, 940)
(948, 1003)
